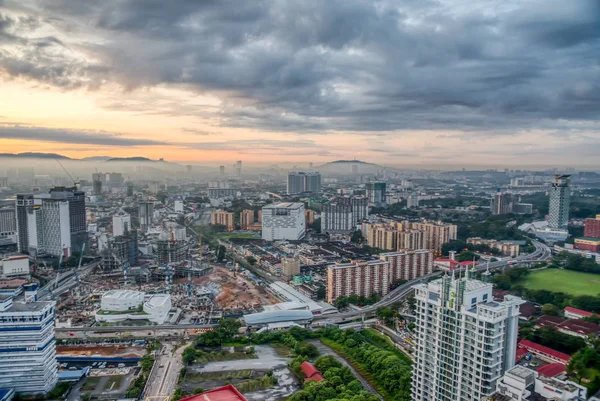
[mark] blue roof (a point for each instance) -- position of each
(5, 393)
(67, 375)
(277, 316)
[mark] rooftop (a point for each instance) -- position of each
(580, 312)
(286, 205)
(277, 316)
(226, 393)
(20, 306)
(121, 294)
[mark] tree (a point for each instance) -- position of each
(251, 260)
(321, 292)
(502, 282)
(549, 309)
(341, 302)
(189, 355)
(357, 237)
(307, 350)
(384, 313)
(228, 328)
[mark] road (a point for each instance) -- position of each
(325, 350)
(163, 379)
(541, 253)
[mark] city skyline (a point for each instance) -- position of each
(414, 84)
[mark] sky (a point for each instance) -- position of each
(405, 83)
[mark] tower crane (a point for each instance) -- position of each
(75, 181)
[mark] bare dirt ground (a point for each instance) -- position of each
(115, 351)
(236, 292)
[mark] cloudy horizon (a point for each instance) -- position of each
(415, 83)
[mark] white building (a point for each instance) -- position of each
(465, 340)
(121, 224)
(8, 224)
(120, 305)
(283, 221)
(14, 266)
(523, 384)
(49, 228)
(178, 206)
(27, 344)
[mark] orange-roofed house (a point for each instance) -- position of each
(226, 393)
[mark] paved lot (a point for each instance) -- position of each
(267, 360)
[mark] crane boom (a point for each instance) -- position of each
(75, 182)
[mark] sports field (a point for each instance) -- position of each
(567, 281)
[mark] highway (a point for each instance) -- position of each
(541, 253)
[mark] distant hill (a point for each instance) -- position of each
(34, 155)
(130, 159)
(345, 167)
(96, 159)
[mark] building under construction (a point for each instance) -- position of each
(171, 251)
(122, 252)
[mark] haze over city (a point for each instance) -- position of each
(416, 83)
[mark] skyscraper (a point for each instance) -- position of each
(121, 224)
(146, 215)
(502, 203)
(77, 219)
(238, 168)
(376, 193)
(560, 195)
(299, 182)
(221, 170)
(27, 344)
(465, 340)
(23, 203)
(337, 216)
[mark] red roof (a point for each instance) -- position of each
(521, 352)
(547, 320)
(310, 371)
(226, 393)
(580, 326)
(545, 350)
(579, 312)
(551, 370)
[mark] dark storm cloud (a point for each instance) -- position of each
(72, 137)
(320, 66)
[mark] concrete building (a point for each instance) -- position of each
(465, 341)
(27, 344)
(382, 236)
(310, 216)
(437, 233)
(77, 215)
(360, 277)
(502, 203)
(146, 215)
(522, 384)
(178, 206)
(120, 305)
(8, 224)
(246, 219)
(412, 240)
(14, 266)
(237, 167)
(560, 196)
(222, 171)
(121, 224)
(223, 218)
(49, 228)
(523, 208)
(290, 267)
(300, 182)
(337, 217)
(283, 221)
(376, 193)
(592, 227)
(506, 247)
(408, 265)
(23, 203)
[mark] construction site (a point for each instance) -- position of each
(200, 292)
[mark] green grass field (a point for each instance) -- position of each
(567, 281)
